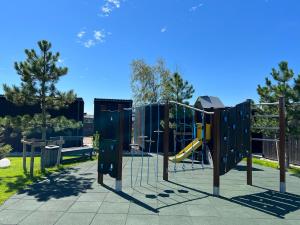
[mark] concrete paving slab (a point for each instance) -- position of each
(56, 205)
(13, 216)
(74, 197)
(114, 208)
(80, 206)
(76, 219)
(24, 204)
(142, 220)
(109, 219)
(41, 218)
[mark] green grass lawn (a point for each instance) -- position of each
(13, 179)
(267, 163)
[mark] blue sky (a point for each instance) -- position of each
(224, 48)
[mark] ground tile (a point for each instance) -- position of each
(41, 218)
(174, 210)
(76, 219)
(9, 202)
(24, 204)
(142, 209)
(175, 220)
(56, 205)
(85, 207)
(92, 197)
(142, 220)
(233, 211)
(109, 219)
(114, 197)
(12, 216)
(293, 222)
(114, 207)
(202, 210)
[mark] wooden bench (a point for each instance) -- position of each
(81, 150)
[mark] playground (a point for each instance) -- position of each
(74, 197)
(190, 172)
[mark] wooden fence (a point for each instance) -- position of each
(292, 150)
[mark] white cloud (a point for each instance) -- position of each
(90, 39)
(99, 35)
(81, 34)
(106, 10)
(163, 30)
(61, 61)
(194, 8)
(109, 6)
(116, 3)
(89, 43)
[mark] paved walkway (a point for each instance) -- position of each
(73, 197)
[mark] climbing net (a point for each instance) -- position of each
(188, 129)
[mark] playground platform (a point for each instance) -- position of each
(74, 197)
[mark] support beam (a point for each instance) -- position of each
(249, 155)
(32, 161)
(42, 159)
(166, 142)
(58, 160)
(24, 155)
(282, 144)
(100, 175)
(216, 151)
(120, 148)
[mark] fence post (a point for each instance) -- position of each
(249, 155)
(166, 142)
(120, 148)
(59, 150)
(43, 158)
(32, 160)
(282, 144)
(24, 154)
(216, 152)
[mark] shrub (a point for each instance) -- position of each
(96, 139)
(4, 150)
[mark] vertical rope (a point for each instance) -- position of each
(150, 141)
(203, 140)
(193, 137)
(183, 165)
(130, 114)
(157, 145)
(143, 143)
(175, 139)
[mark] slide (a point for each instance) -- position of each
(187, 151)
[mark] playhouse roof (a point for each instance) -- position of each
(207, 102)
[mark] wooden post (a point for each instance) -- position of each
(216, 151)
(32, 160)
(100, 175)
(120, 148)
(43, 158)
(282, 144)
(249, 155)
(166, 142)
(59, 150)
(24, 155)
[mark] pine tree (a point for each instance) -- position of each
(282, 84)
(4, 148)
(39, 75)
(180, 90)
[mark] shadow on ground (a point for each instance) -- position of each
(270, 202)
(132, 199)
(58, 185)
(244, 168)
